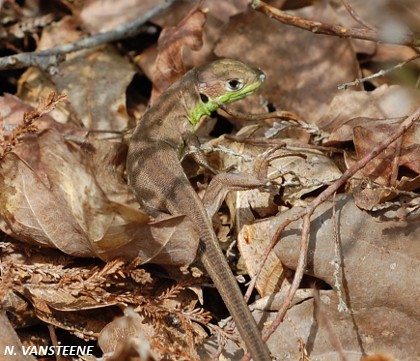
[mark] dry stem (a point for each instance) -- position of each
(318, 27)
(49, 57)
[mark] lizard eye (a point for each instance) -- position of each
(234, 84)
(204, 98)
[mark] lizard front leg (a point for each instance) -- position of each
(193, 147)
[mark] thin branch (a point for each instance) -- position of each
(48, 57)
(318, 27)
(278, 114)
(338, 262)
(377, 74)
(356, 16)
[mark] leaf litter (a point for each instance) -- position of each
(87, 261)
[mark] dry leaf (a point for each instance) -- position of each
(169, 63)
(57, 201)
(379, 254)
(104, 15)
(382, 103)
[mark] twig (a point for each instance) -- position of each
(281, 144)
(48, 57)
(308, 211)
(278, 114)
(356, 16)
(338, 262)
(318, 27)
(377, 74)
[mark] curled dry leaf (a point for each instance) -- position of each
(85, 324)
(218, 13)
(367, 119)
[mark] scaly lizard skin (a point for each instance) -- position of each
(159, 182)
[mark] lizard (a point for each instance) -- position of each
(155, 173)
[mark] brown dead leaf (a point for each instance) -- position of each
(368, 132)
(380, 255)
(9, 340)
(368, 331)
(404, 152)
(169, 65)
(103, 15)
(86, 324)
(382, 172)
(220, 9)
(218, 14)
(55, 199)
(29, 216)
(382, 103)
(84, 79)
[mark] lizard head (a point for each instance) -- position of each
(224, 81)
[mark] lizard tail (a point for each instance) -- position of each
(222, 276)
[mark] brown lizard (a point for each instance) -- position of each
(160, 184)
